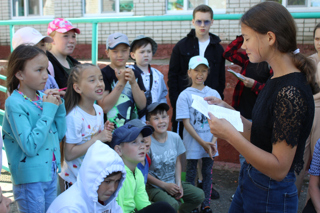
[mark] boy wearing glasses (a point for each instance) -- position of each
(198, 42)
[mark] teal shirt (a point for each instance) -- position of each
(31, 136)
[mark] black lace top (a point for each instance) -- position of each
(284, 110)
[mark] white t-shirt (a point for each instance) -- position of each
(197, 120)
(203, 47)
(146, 80)
(81, 127)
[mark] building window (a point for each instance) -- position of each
(32, 8)
(300, 5)
(187, 6)
(105, 7)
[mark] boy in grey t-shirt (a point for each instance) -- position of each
(164, 179)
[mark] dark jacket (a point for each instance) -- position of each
(60, 74)
(178, 67)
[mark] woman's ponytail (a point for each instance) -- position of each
(306, 66)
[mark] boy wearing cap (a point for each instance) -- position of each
(64, 42)
(124, 90)
(145, 164)
(164, 179)
(128, 141)
(142, 49)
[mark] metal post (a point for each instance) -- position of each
(11, 29)
(94, 44)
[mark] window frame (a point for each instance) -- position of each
(187, 11)
(26, 5)
(300, 9)
(107, 14)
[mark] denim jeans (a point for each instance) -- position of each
(36, 197)
(257, 193)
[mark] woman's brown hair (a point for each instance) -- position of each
(272, 16)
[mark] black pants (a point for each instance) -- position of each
(158, 207)
(309, 208)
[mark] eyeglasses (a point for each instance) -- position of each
(206, 22)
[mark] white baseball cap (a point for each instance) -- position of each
(28, 35)
(196, 61)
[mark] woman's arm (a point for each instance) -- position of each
(231, 53)
(314, 191)
(276, 165)
(246, 123)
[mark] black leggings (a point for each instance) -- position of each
(158, 207)
(191, 174)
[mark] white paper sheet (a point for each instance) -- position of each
(220, 112)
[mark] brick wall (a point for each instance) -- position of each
(167, 32)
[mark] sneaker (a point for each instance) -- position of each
(199, 185)
(206, 210)
(231, 198)
(195, 211)
(214, 194)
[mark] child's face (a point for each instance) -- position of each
(143, 55)
(202, 23)
(42, 45)
(255, 44)
(108, 186)
(35, 75)
(119, 55)
(133, 152)
(160, 122)
(148, 143)
(198, 75)
(91, 85)
(317, 40)
(64, 43)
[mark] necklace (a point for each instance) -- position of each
(29, 99)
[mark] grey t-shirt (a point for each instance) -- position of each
(197, 120)
(164, 156)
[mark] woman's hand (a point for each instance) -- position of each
(217, 101)
(248, 82)
(221, 128)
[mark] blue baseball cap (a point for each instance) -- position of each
(128, 133)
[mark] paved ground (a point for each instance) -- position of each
(225, 178)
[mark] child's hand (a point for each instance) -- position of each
(109, 126)
(52, 92)
(179, 195)
(129, 76)
(172, 188)
(51, 99)
(210, 148)
(105, 136)
(62, 93)
(120, 74)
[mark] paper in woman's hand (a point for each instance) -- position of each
(238, 75)
(232, 116)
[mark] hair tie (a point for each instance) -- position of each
(296, 51)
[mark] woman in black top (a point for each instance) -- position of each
(282, 117)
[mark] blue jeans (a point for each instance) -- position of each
(36, 197)
(257, 193)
